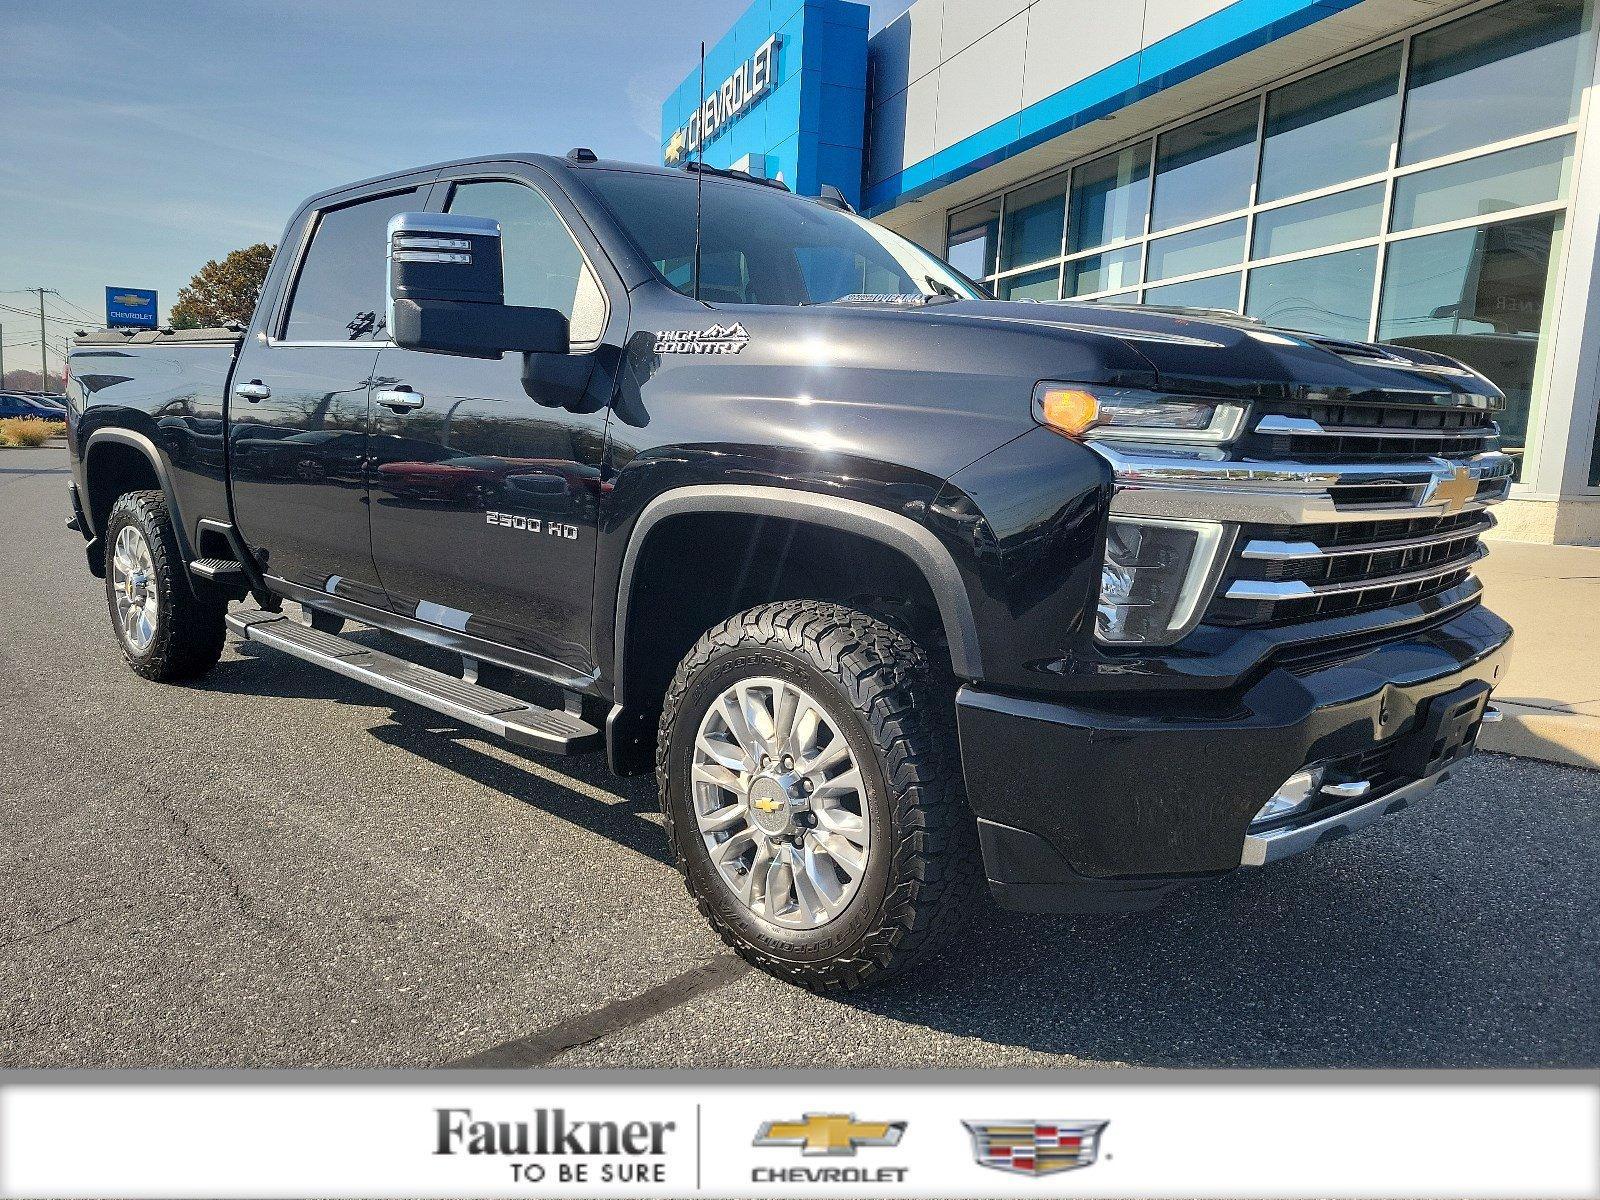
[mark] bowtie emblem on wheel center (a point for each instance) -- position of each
(769, 806)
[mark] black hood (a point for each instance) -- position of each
(1219, 354)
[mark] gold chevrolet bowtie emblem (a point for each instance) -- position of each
(676, 146)
(767, 806)
(1453, 492)
(830, 1133)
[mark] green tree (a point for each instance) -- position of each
(223, 293)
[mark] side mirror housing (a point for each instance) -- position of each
(447, 291)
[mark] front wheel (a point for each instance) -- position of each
(810, 783)
(167, 629)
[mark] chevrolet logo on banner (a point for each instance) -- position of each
(1035, 1147)
(834, 1134)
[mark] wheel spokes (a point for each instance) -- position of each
(731, 709)
(797, 863)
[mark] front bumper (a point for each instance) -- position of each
(1107, 807)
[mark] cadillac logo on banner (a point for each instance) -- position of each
(1035, 1147)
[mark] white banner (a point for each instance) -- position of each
(798, 1139)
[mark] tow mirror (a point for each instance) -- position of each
(447, 291)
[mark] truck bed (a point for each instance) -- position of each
(149, 369)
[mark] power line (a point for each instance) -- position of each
(65, 303)
(28, 313)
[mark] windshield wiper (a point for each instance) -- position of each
(941, 290)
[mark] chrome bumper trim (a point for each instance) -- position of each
(1263, 848)
(1153, 484)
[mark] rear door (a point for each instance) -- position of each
(299, 412)
(485, 498)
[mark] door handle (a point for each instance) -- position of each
(398, 399)
(253, 391)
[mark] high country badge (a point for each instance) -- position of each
(1035, 1147)
(715, 339)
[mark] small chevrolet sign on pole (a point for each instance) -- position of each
(130, 308)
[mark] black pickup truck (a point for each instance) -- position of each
(896, 587)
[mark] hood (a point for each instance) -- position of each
(1223, 355)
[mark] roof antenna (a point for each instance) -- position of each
(699, 175)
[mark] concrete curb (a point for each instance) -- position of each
(1571, 739)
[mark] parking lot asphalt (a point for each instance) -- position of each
(277, 867)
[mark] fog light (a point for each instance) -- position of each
(1296, 793)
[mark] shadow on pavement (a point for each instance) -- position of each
(1382, 950)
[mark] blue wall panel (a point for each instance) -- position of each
(810, 127)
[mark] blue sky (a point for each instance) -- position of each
(138, 141)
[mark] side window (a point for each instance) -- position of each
(340, 294)
(543, 266)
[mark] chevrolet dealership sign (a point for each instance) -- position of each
(752, 80)
(783, 95)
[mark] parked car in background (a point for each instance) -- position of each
(38, 408)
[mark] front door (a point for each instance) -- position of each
(299, 413)
(486, 482)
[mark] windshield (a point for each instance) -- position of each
(760, 245)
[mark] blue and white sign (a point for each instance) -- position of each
(130, 308)
(785, 97)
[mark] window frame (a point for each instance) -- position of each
(278, 325)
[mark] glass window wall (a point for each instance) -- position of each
(1470, 161)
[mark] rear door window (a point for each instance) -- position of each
(341, 292)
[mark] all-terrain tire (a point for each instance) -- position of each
(189, 627)
(897, 714)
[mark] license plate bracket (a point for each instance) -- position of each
(1446, 732)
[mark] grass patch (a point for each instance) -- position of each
(21, 431)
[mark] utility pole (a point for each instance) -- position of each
(2, 357)
(44, 353)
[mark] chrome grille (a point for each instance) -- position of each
(1390, 509)
(1271, 580)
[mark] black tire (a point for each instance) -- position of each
(897, 715)
(189, 628)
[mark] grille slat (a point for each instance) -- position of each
(1329, 432)
(1281, 574)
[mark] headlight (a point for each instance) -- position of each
(1083, 411)
(1156, 574)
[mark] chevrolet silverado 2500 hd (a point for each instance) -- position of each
(890, 583)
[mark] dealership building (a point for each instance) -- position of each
(1424, 172)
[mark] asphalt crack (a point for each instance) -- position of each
(241, 900)
(541, 1048)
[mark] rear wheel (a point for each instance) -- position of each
(167, 630)
(809, 779)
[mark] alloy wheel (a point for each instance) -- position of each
(780, 803)
(134, 584)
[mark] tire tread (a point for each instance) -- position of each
(935, 870)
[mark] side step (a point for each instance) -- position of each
(517, 721)
(218, 570)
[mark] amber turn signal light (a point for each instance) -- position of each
(1069, 410)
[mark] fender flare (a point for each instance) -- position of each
(894, 530)
(139, 442)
